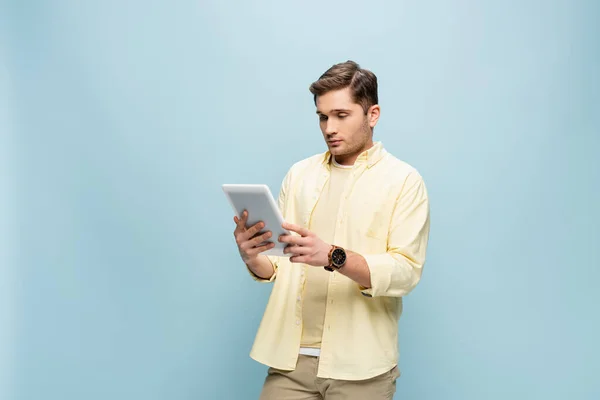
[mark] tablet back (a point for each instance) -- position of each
(261, 206)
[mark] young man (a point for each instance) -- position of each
(330, 328)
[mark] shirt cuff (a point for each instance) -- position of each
(274, 263)
(380, 268)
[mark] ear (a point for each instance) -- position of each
(373, 115)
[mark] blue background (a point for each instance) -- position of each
(120, 121)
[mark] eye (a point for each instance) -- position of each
(323, 117)
(342, 116)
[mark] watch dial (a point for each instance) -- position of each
(338, 257)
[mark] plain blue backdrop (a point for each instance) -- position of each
(121, 119)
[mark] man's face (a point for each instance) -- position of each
(346, 129)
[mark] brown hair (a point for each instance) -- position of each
(362, 83)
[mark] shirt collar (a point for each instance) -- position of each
(369, 157)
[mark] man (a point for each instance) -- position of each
(360, 223)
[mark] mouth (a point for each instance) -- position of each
(334, 142)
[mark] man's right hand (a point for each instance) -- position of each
(248, 239)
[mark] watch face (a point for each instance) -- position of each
(338, 257)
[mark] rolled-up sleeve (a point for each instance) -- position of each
(274, 262)
(397, 272)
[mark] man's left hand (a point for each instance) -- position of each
(306, 248)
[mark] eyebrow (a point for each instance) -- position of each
(336, 110)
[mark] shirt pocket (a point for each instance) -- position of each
(376, 224)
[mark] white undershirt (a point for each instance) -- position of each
(309, 351)
(340, 165)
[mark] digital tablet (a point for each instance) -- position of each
(261, 206)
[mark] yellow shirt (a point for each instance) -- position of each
(322, 222)
(383, 215)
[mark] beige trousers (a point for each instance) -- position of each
(303, 384)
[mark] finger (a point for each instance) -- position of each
(297, 250)
(296, 228)
(248, 244)
(253, 230)
(297, 240)
(259, 239)
(257, 234)
(257, 250)
(241, 222)
(299, 259)
(238, 230)
(244, 218)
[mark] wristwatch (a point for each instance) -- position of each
(337, 258)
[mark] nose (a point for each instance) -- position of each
(330, 128)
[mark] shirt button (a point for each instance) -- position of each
(302, 273)
(297, 322)
(299, 298)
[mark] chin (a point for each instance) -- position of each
(337, 149)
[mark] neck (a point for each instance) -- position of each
(350, 159)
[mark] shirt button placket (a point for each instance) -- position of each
(299, 297)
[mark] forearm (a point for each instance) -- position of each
(382, 274)
(261, 266)
(357, 269)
